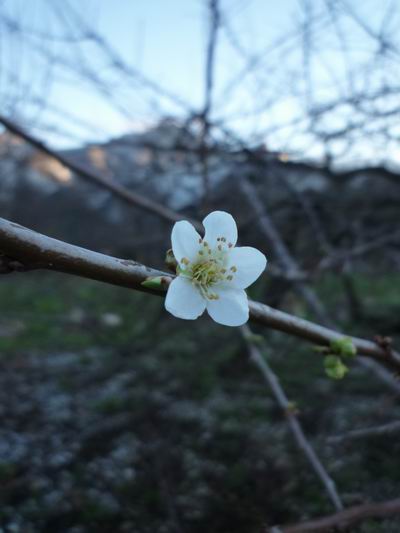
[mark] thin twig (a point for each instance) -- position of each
(109, 184)
(356, 434)
(272, 379)
(209, 84)
(344, 519)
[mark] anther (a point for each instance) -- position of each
(233, 269)
(219, 247)
(223, 270)
(230, 245)
(230, 278)
(185, 261)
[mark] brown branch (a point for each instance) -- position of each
(213, 7)
(345, 519)
(298, 433)
(340, 257)
(32, 250)
(317, 334)
(356, 434)
(35, 250)
(114, 187)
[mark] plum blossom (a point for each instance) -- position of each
(212, 273)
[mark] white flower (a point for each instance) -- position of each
(212, 274)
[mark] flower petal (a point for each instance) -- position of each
(183, 300)
(185, 241)
(249, 262)
(220, 224)
(231, 309)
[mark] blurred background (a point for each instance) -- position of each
(114, 415)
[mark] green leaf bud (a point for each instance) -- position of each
(343, 347)
(158, 283)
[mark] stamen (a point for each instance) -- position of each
(200, 241)
(185, 261)
(219, 247)
(233, 269)
(229, 278)
(213, 296)
(201, 252)
(230, 245)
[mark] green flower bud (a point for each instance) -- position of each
(334, 367)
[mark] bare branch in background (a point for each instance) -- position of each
(344, 519)
(122, 192)
(288, 410)
(360, 434)
(214, 23)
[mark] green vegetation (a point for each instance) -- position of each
(173, 422)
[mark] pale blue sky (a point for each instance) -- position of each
(165, 40)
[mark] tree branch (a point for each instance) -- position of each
(344, 519)
(273, 381)
(360, 434)
(32, 250)
(113, 186)
(36, 251)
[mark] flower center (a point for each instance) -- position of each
(209, 268)
(206, 273)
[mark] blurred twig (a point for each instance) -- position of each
(344, 519)
(209, 84)
(356, 434)
(290, 413)
(122, 192)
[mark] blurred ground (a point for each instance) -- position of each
(116, 417)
